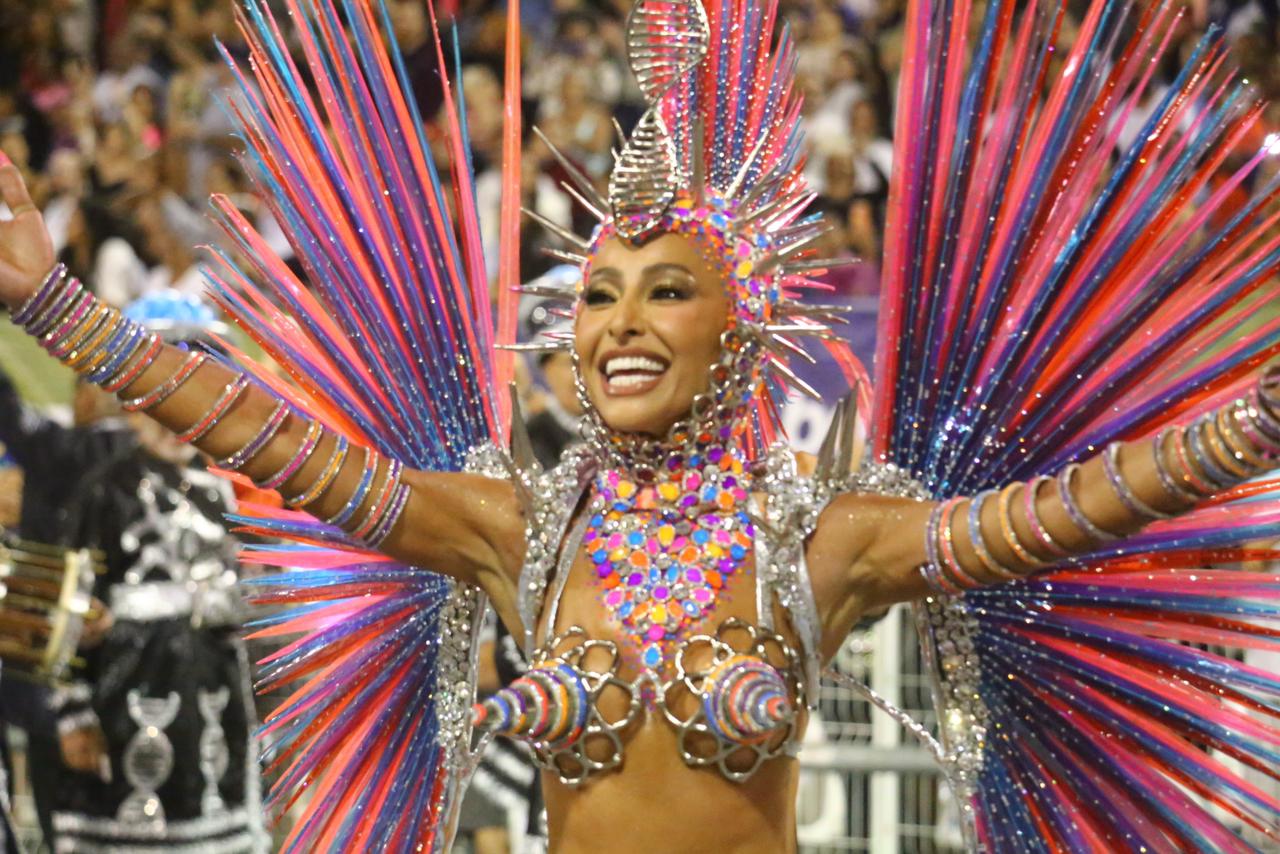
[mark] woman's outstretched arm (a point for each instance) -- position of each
(896, 550)
(467, 526)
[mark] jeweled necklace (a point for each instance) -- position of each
(664, 551)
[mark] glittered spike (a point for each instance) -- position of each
(562, 345)
(549, 291)
(591, 197)
(563, 233)
(521, 446)
(567, 257)
(791, 379)
(596, 212)
(547, 706)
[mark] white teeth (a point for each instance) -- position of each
(633, 363)
(629, 380)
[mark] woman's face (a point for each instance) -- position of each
(648, 331)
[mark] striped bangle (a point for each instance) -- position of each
(390, 486)
(933, 577)
(1246, 415)
(367, 476)
(1267, 419)
(1190, 472)
(1073, 510)
(123, 336)
(1010, 534)
(67, 296)
(310, 441)
(268, 431)
(393, 514)
(1237, 443)
(1222, 454)
(1219, 477)
(71, 318)
(1167, 480)
(132, 339)
(31, 306)
(1030, 495)
(951, 561)
(931, 571)
(327, 475)
(161, 393)
(221, 406)
(1135, 505)
(82, 353)
(976, 505)
(80, 331)
(150, 351)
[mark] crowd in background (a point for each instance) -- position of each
(111, 109)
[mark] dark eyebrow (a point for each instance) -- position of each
(667, 267)
(610, 273)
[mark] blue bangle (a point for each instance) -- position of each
(121, 345)
(362, 490)
(1216, 475)
(1081, 521)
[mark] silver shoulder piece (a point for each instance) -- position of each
(554, 495)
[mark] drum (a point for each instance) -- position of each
(45, 599)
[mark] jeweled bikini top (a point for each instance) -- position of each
(661, 551)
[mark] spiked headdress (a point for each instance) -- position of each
(716, 157)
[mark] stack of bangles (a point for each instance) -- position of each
(1213, 453)
(112, 351)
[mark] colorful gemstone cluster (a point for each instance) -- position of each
(732, 247)
(663, 551)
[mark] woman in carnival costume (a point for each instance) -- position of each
(1065, 425)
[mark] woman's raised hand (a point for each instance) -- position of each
(26, 252)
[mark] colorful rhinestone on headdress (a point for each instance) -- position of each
(717, 158)
(663, 551)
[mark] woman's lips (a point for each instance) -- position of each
(631, 374)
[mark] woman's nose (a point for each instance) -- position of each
(628, 319)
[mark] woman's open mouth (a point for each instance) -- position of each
(632, 374)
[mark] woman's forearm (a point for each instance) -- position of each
(221, 411)
(1002, 534)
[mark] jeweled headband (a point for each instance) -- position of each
(716, 158)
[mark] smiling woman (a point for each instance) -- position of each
(653, 318)
(677, 584)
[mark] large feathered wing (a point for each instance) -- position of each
(387, 335)
(1077, 254)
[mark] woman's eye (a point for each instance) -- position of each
(665, 292)
(597, 297)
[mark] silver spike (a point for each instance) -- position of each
(778, 257)
(561, 232)
(521, 446)
(789, 376)
(598, 202)
(568, 257)
(547, 291)
(844, 460)
(699, 174)
(736, 184)
(825, 465)
(809, 265)
(801, 309)
(783, 346)
(543, 346)
(799, 329)
(600, 215)
(617, 128)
